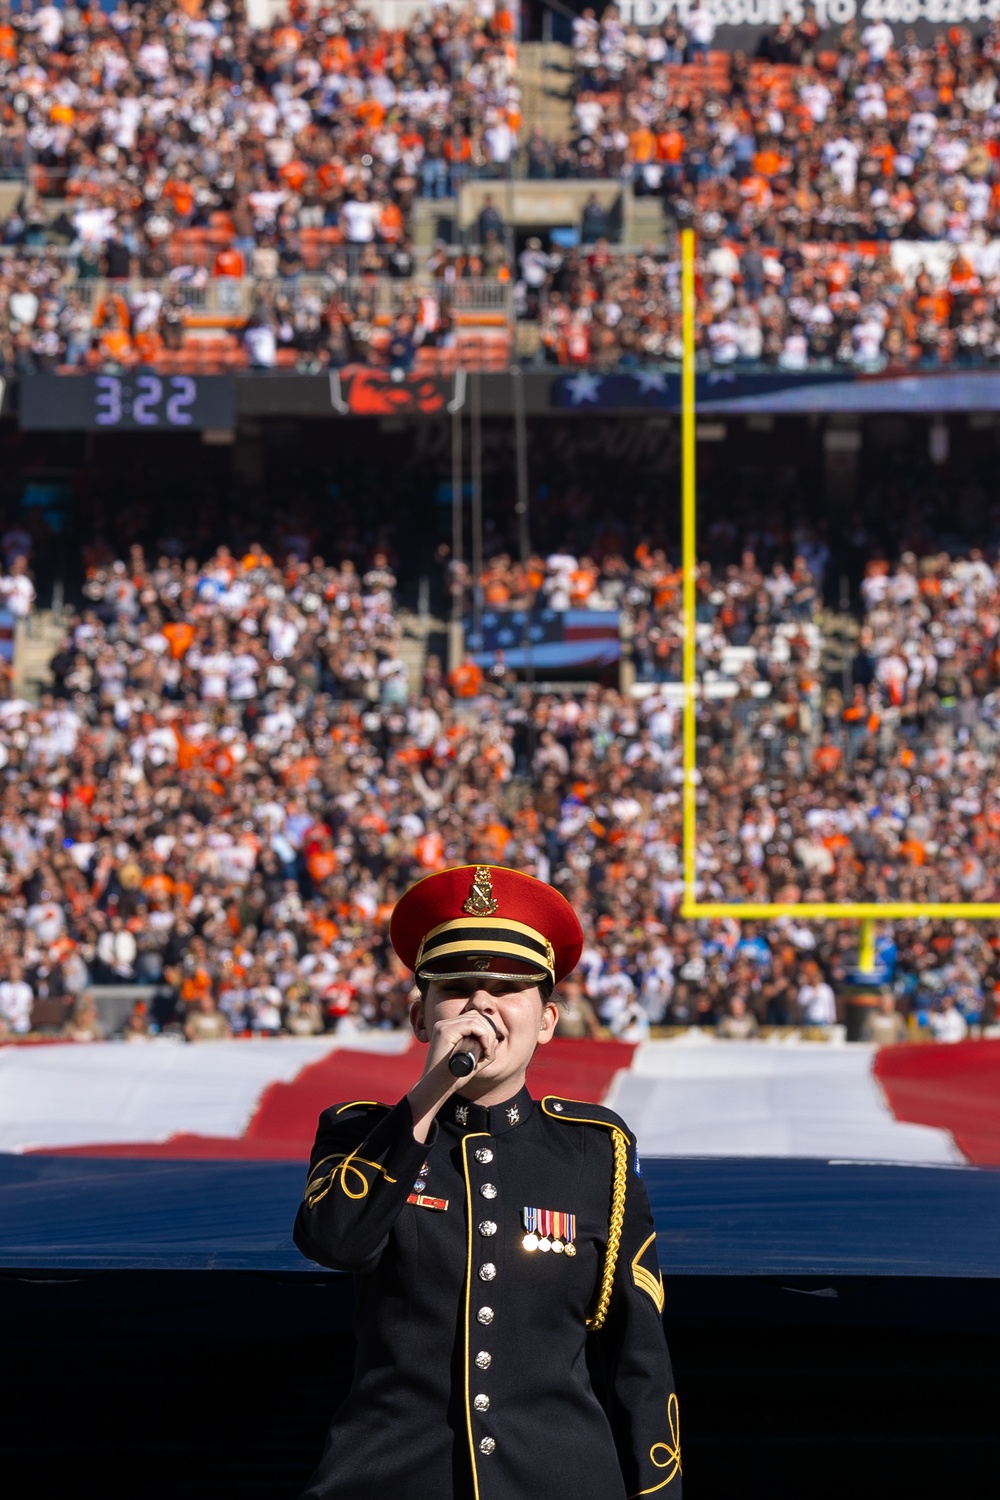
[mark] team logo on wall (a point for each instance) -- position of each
(366, 392)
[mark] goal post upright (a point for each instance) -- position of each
(866, 913)
(689, 567)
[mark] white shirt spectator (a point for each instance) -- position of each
(817, 1005)
(589, 114)
(243, 670)
(585, 31)
(500, 141)
(724, 339)
(817, 99)
(878, 39)
(359, 220)
(117, 950)
(16, 1001)
(214, 667)
(868, 336)
(49, 23)
(18, 594)
(614, 992)
(262, 345)
(23, 304)
(921, 129)
(948, 1024)
(46, 920)
(701, 25)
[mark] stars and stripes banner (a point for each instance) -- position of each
(729, 392)
(547, 639)
(258, 1100)
(8, 629)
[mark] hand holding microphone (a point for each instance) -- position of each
(465, 1058)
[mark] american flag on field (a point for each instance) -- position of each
(7, 627)
(547, 639)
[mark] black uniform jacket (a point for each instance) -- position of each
(487, 1370)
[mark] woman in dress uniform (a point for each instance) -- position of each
(508, 1297)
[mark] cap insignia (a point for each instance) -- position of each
(480, 902)
(481, 965)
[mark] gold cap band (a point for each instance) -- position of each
(486, 937)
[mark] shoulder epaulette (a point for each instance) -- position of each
(581, 1112)
(366, 1104)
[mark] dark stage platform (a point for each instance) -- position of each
(836, 1328)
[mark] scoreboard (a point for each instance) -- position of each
(129, 402)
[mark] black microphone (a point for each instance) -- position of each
(461, 1064)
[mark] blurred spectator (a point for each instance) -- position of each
(576, 1014)
(884, 1026)
(137, 1027)
(205, 1023)
(16, 1001)
(739, 1023)
(84, 1025)
(947, 1022)
(816, 1003)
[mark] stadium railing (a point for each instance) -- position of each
(236, 297)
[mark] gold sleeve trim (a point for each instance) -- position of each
(352, 1165)
(645, 1280)
(616, 1219)
(671, 1450)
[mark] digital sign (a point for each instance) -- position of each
(131, 402)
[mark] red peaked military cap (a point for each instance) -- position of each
(485, 919)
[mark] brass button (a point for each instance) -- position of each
(483, 1360)
(557, 1108)
(485, 1315)
(487, 1446)
(481, 1403)
(484, 1156)
(487, 1271)
(487, 1228)
(488, 1190)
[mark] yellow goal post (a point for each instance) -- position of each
(865, 912)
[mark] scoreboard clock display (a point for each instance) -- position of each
(131, 402)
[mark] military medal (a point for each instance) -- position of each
(424, 1200)
(547, 1229)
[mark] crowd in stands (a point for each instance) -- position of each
(169, 127)
(50, 323)
(233, 778)
(186, 146)
(800, 169)
(192, 147)
(874, 138)
(787, 305)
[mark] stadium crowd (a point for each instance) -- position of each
(194, 147)
(158, 119)
(186, 146)
(232, 780)
(799, 169)
(874, 138)
(785, 305)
